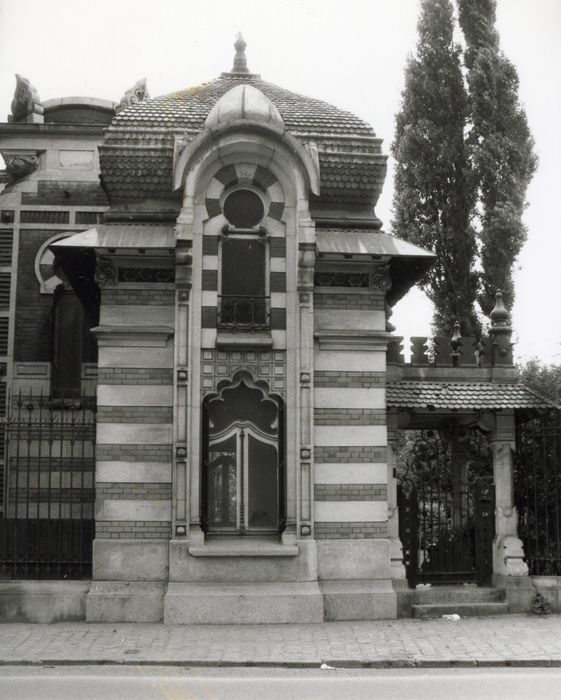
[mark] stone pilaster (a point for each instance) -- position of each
(306, 262)
(396, 548)
(508, 551)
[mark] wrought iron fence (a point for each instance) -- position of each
(445, 500)
(537, 492)
(48, 525)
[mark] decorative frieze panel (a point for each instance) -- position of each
(269, 365)
(357, 280)
(146, 274)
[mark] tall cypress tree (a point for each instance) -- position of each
(501, 148)
(433, 198)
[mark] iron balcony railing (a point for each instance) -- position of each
(243, 312)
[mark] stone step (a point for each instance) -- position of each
(430, 610)
(245, 603)
(458, 594)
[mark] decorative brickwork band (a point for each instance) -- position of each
(138, 297)
(350, 531)
(350, 492)
(135, 414)
(132, 491)
(133, 453)
(127, 375)
(132, 529)
(349, 416)
(365, 302)
(324, 455)
(349, 380)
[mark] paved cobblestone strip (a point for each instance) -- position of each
(510, 640)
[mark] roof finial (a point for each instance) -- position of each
(240, 61)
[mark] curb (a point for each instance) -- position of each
(335, 663)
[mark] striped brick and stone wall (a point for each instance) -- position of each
(350, 435)
(134, 422)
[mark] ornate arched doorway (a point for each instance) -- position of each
(243, 474)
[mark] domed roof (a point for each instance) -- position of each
(137, 154)
(188, 109)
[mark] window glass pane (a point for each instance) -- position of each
(243, 209)
(243, 267)
(262, 509)
(222, 485)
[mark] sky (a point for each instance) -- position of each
(351, 54)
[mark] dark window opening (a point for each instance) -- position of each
(243, 299)
(243, 209)
(68, 335)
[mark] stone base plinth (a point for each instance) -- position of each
(119, 601)
(43, 601)
(242, 603)
(359, 600)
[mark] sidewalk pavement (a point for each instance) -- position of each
(510, 640)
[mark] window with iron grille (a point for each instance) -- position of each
(243, 300)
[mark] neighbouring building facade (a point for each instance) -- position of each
(200, 366)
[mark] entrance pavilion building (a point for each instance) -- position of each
(238, 287)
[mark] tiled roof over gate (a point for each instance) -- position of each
(462, 396)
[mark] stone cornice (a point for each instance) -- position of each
(16, 129)
(138, 336)
(345, 339)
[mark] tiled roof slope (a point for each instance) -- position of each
(137, 154)
(462, 396)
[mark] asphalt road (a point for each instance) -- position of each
(172, 683)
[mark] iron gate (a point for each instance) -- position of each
(48, 525)
(537, 492)
(446, 507)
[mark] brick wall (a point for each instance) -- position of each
(34, 321)
(350, 492)
(348, 379)
(133, 453)
(354, 454)
(126, 375)
(350, 531)
(349, 416)
(124, 490)
(67, 193)
(132, 529)
(365, 302)
(135, 414)
(138, 297)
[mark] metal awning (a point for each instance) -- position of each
(408, 262)
(367, 242)
(122, 236)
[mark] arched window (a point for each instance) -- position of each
(243, 475)
(243, 262)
